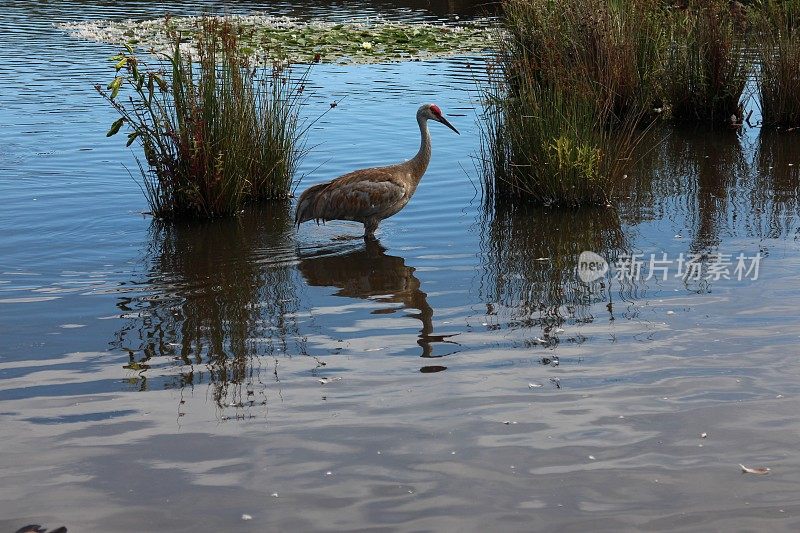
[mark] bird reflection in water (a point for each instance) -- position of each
(368, 273)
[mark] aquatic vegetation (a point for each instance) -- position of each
(295, 41)
(778, 45)
(217, 128)
(548, 147)
(573, 83)
(608, 51)
(706, 69)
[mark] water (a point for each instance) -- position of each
(457, 374)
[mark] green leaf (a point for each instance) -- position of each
(121, 63)
(115, 127)
(131, 138)
(114, 87)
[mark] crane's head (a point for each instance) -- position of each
(432, 112)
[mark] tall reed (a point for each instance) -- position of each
(778, 47)
(218, 128)
(574, 81)
(706, 70)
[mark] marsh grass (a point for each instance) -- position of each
(551, 148)
(705, 68)
(218, 129)
(778, 48)
(574, 82)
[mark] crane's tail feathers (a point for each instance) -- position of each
(307, 205)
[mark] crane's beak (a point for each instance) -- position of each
(446, 123)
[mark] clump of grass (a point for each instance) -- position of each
(576, 80)
(549, 147)
(705, 70)
(218, 129)
(778, 46)
(607, 50)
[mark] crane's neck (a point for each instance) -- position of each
(419, 163)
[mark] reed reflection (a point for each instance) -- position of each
(717, 186)
(368, 273)
(720, 183)
(218, 297)
(777, 181)
(698, 175)
(530, 259)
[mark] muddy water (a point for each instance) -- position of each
(456, 374)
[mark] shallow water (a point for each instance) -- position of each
(457, 374)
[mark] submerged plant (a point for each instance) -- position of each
(218, 129)
(778, 46)
(706, 69)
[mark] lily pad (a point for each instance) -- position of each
(295, 41)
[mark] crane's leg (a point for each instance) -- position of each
(369, 229)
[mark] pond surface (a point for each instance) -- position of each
(457, 374)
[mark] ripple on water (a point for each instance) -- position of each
(205, 368)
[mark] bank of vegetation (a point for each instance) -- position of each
(576, 86)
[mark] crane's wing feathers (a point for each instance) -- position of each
(362, 199)
(355, 196)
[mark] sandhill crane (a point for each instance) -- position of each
(371, 194)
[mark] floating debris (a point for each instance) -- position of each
(246, 517)
(761, 470)
(703, 435)
(534, 385)
(325, 381)
(372, 40)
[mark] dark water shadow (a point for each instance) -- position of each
(369, 273)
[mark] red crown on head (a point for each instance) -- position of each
(435, 110)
